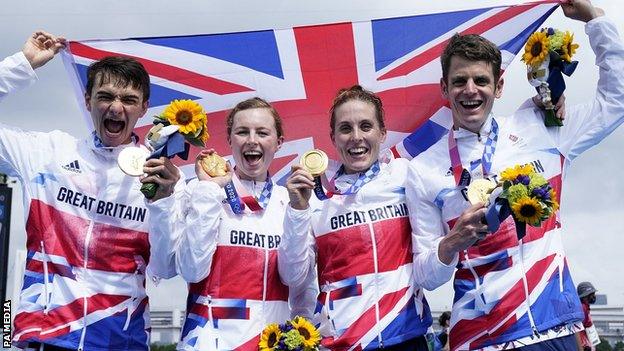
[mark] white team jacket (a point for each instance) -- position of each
(86, 228)
(362, 246)
(507, 290)
(230, 262)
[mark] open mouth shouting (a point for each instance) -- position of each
(114, 128)
(253, 158)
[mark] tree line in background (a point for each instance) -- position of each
(605, 346)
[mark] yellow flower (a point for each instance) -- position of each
(536, 49)
(187, 114)
(525, 169)
(270, 337)
(311, 336)
(527, 210)
(553, 199)
(568, 48)
(511, 173)
(203, 135)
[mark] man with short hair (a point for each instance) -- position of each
(86, 225)
(510, 292)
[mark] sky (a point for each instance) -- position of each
(593, 196)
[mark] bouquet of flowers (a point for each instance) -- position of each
(296, 334)
(531, 198)
(548, 53)
(183, 122)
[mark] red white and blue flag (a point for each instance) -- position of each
(299, 70)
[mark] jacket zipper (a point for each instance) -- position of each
(46, 301)
(84, 298)
(526, 290)
(326, 306)
(264, 284)
(376, 265)
(211, 321)
(560, 269)
(133, 298)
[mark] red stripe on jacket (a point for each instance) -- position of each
(348, 252)
(237, 273)
(111, 248)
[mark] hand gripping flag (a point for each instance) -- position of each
(299, 70)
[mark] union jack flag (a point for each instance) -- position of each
(301, 69)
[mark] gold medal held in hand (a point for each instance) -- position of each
(314, 161)
(479, 191)
(214, 165)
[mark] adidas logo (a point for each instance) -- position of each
(73, 167)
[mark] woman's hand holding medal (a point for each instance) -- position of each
(301, 181)
(209, 166)
(299, 185)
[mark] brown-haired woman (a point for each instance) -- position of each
(226, 233)
(359, 238)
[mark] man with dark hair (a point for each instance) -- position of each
(471, 47)
(511, 291)
(87, 242)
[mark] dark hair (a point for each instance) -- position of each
(356, 92)
(471, 47)
(252, 103)
(123, 71)
(444, 318)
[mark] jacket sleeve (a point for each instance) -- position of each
(166, 219)
(296, 253)
(302, 298)
(200, 230)
(587, 124)
(17, 153)
(15, 74)
(428, 230)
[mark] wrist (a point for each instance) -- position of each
(446, 253)
(595, 13)
(298, 205)
(592, 14)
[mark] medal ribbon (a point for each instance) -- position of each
(321, 182)
(486, 158)
(238, 197)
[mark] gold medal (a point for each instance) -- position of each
(214, 165)
(314, 161)
(479, 191)
(131, 160)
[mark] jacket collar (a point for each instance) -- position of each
(95, 144)
(485, 130)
